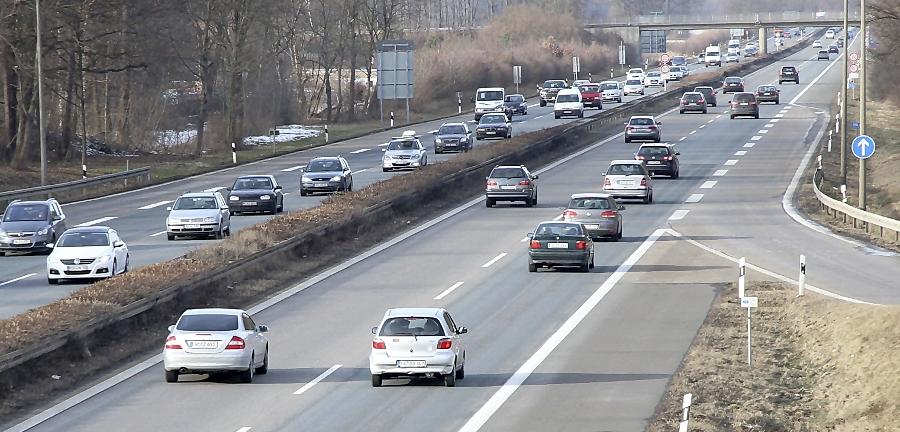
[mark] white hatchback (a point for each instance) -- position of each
(634, 87)
(94, 252)
(416, 342)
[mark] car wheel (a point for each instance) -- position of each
(647, 199)
(651, 195)
(534, 200)
(777, 102)
(376, 380)
(52, 281)
(170, 237)
(350, 186)
(704, 111)
(756, 116)
(591, 265)
(220, 234)
(627, 140)
(488, 203)
(264, 369)
(556, 116)
(543, 103)
(450, 378)
(532, 267)
(127, 261)
(680, 111)
(529, 202)
(461, 373)
(171, 376)
(676, 174)
(619, 234)
(304, 193)
(584, 268)
(732, 117)
(247, 375)
(114, 268)
(436, 151)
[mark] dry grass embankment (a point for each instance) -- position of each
(818, 365)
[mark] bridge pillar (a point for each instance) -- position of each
(763, 40)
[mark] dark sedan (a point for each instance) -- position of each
(255, 193)
(744, 104)
(834, 50)
(709, 94)
(493, 126)
(560, 244)
(452, 137)
(733, 85)
(515, 104)
(768, 93)
(326, 174)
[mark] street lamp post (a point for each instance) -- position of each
(862, 99)
(844, 97)
(41, 123)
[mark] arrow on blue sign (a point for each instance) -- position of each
(863, 146)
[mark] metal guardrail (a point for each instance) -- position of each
(860, 218)
(79, 189)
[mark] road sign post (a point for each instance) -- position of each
(749, 303)
(742, 269)
(517, 76)
(576, 66)
(273, 133)
(685, 412)
(801, 286)
(862, 100)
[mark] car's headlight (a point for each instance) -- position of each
(265, 197)
(2, 234)
(209, 219)
(43, 231)
(337, 178)
(171, 221)
(232, 198)
(438, 140)
(103, 259)
(463, 139)
(305, 179)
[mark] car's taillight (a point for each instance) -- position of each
(629, 127)
(581, 245)
(609, 214)
(235, 343)
(651, 127)
(752, 102)
(569, 214)
(644, 181)
(445, 343)
(684, 102)
(378, 344)
(606, 182)
(525, 183)
(665, 158)
(535, 244)
(171, 343)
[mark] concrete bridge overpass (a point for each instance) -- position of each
(748, 20)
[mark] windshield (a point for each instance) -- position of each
(633, 82)
(635, 71)
(507, 173)
(558, 229)
(515, 98)
(732, 80)
(788, 69)
(642, 121)
(208, 322)
(589, 89)
(409, 326)
(491, 95)
(195, 203)
(494, 119)
(678, 60)
(554, 84)
(324, 165)
(704, 90)
(252, 183)
(403, 145)
(653, 74)
(452, 130)
(653, 151)
(25, 213)
(589, 203)
(568, 98)
(625, 169)
(80, 239)
(609, 86)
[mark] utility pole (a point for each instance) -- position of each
(42, 124)
(844, 96)
(862, 99)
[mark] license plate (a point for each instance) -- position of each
(508, 187)
(653, 162)
(410, 363)
(567, 112)
(202, 344)
(745, 103)
(249, 203)
(490, 132)
(788, 73)
(450, 145)
(320, 184)
(692, 104)
(592, 226)
(558, 245)
(21, 242)
(192, 226)
(76, 268)
(626, 182)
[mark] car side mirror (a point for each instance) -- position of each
(530, 235)
(228, 189)
(168, 208)
(473, 100)
(462, 330)
(55, 217)
(535, 176)
(375, 330)
(677, 153)
(171, 328)
(626, 123)
(659, 123)
(621, 207)
(118, 243)
(279, 187)
(263, 328)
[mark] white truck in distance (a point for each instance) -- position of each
(713, 56)
(489, 100)
(734, 46)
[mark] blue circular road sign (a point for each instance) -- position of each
(863, 146)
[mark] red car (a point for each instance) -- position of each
(590, 95)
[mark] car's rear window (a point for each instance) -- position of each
(692, 97)
(589, 89)
(195, 203)
(744, 97)
(732, 80)
(492, 119)
(568, 98)
(558, 229)
(208, 322)
(626, 169)
(654, 74)
(766, 88)
(704, 90)
(641, 122)
(507, 173)
(412, 326)
(653, 151)
(589, 203)
(633, 82)
(515, 98)
(609, 86)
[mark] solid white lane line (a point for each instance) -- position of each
(682, 139)
(360, 151)
(539, 116)
(763, 131)
(317, 379)
(244, 429)
(293, 168)
(755, 138)
(787, 107)
(708, 184)
(447, 291)
(154, 205)
(679, 214)
(518, 378)
(97, 221)
(740, 152)
(731, 162)
(749, 145)
(769, 125)
(720, 173)
(17, 279)
(694, 198)
(362, 170)
(158, 234)
(524, 239)
(494, 260)
(719, 116)
(214, 189)
(384, 145)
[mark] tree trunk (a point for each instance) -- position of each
(328, 100)
(204, 110)
(62, 150)
(9, 121)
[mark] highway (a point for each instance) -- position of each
(548, 351)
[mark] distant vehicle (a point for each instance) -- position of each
(590, 95)
(701, 58)
(732, 85)
(676, 73)
(679, 61)
(789, 73)
(611, 91)
(600, 214)
(405, 152)
(560, 244)
(92, 252)
(840, 43)
(628, 179)
(31, 226)
(199, 214)
(692, 101)
(744, 104)
(734, 47)
(494, 126)
(580, 82)
(768, 93)
(516, 104)
(713, 56)
(255, 193)
(416, 342)
(733, 58)
(326, 174)
(511, 183)
(709, 94)
(453, 137)
(834, 49)
(829, 34)
(549, 90)
(660, 158)
(633, 87)
(823, 55)
(644, 128)
(653, 79)
(635, 73)
(489, 100)
(751, 50)
(216, 340)
(568, 104)
(817, 44)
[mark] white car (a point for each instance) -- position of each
(653, 79)
(568, 103)
(416, 342)
(212, 340)
(404, 152)
(580, 82)
(676, 73)
(633, 87)
(628, 179)
(94, 252)
(733, 58)
(611, 91)
(635, 73)
(199, 214)
(817, 44)
(829, 34)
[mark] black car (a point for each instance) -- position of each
(515, 104)
(834, 49)
(744, 104)
(733, 85)
(326, 174)
(560, 244)
(840, 43)
(452, 137)
(493, 126)
(255, 194)
(660, 159)
(31, 226)
(768, 93)
(709, 94)
(789, 73)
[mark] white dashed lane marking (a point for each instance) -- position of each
(720, 173)
(749, 145)
(154, 205)
(708, 184)
(449, 290)
(494, 260)
(97, 221)
(17, 279)
(756, 138)
(694, 198)
(740, 152)
(157, 234)
(731, 162)
(317, 379)
(679, 214)
(360, 151)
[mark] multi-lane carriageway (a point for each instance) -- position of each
(546, 351)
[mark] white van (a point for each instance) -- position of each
(489, 100)
(568, 103)
(734, 46)
(713, 56)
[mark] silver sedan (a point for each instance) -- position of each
(600, 214)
